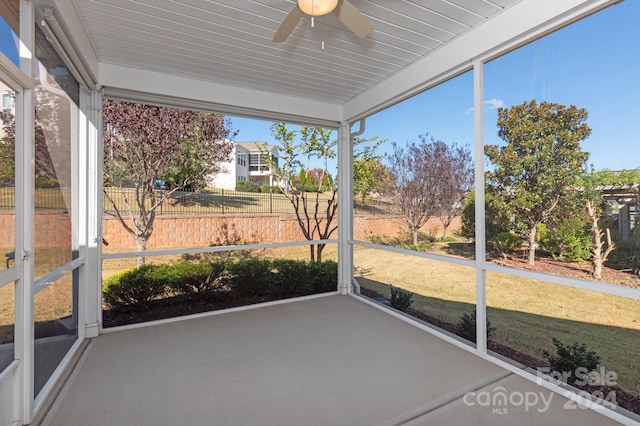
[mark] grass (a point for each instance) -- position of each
(51, 303)
(45, 198)
(526, 313)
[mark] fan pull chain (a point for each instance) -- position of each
(313, 22)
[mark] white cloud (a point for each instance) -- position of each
(490, 104)
(494, 103)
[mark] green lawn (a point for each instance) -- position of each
(525, 313)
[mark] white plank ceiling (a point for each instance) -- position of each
(228, 42)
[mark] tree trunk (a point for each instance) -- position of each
(531, 260)
(319, 249)
(597, 256)
(446, 221)
(141, 245)
(312, 252)
(597, 268)
(414, 230)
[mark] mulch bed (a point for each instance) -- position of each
(580, 270)
(178, 306)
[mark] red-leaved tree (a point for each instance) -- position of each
(427, 181)
(143, 143)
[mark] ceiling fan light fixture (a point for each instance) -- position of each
(317, 7)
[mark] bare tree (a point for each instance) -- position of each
(457, 182)
(142, 143)
(423, 179)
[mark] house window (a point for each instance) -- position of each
(7, 102)
(257, 163)
(242, 159)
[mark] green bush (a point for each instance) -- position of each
(306, 187)
(497, 217)
(248, 187)
(466, 327)
(506, 242)
(251, 277)
(569, 239)
(290, 277)
(273, 189)
(323, 276)
(247, 277)
(134, 287)
(400, 299)
(202, 279)
(418, 247)
(570, 358)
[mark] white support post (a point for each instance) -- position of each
(92, 300)
(481, 294)
(24, 292)
(345, 208)
(78, 203)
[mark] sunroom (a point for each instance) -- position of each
(341, 357)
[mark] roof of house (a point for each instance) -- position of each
(254, 146)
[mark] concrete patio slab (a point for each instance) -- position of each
(324, 361)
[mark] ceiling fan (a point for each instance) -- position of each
(345, 11)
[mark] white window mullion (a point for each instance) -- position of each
(24, 335)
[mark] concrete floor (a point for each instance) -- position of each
(327, 361)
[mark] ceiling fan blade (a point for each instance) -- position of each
(353, 19)
(288, 25)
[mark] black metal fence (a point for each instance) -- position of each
(44, 198)
(215, 201)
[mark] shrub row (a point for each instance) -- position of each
(245, 277)
(247, 186)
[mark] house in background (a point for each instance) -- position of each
(247, 164)
(623, 203)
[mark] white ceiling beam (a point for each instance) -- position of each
(67, 16)
(158, 88)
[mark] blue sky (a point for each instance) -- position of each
(593, 64)
(8, 42)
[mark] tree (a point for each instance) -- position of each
(7, 149)
(288, 152)
(320, 178)
(314, 215)
(496, 218)
(591, 191)
(369, 173)
(542, 159)
(325, 149)
(421, 172)
(145, 142)
(457, 182)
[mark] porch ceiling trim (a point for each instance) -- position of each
(152, 87)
